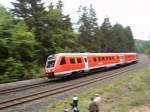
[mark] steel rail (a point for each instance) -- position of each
(64, 88)
(25, 87)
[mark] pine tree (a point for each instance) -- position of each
(118, 38)
(59, 6)
(129, 41)
(92, 20)
(60, 28)
(34, 14)
(31, 11)
(106, 39)
(88, 28)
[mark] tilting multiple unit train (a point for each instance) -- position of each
(63, 64)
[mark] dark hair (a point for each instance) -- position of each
(92, 98)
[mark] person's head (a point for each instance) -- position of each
(96, 95)
(75, 97)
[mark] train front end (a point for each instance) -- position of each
(50, 66)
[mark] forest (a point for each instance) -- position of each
(29, 32)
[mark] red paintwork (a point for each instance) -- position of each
(106, 59)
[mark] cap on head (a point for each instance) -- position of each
(96, 94)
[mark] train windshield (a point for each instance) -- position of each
(50, 63)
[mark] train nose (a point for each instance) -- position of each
(49, 72)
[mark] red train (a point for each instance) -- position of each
(63, 64)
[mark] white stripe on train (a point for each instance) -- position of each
(110, 65)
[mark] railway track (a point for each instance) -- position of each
(26, 87)
(61, 89)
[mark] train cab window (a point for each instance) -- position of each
(63, 61)
(50, 63)
(79, 60)
(72, 60)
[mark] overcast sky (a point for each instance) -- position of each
(133, 13)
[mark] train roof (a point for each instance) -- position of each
(60, 54)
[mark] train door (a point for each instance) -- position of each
(122, 59)
(86, 66)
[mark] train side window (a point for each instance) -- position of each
(99, 58)
(94, 59)
(63, 61)
(117, 57)
(103, 58)
(79, 60)
(72, 60)
(106, 58)
(110, 58)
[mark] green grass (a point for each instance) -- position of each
(122, 95)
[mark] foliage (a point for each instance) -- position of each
(107, 38)
(31, 35)
(88, 27)
(16, 47)
(49, 26)
(29, 32)
(104, 38)
(142, 46)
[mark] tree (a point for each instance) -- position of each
(118, 38)
(34, 14)
(16, 47)
(5, 29)
(129, 41)
(60, 29)
(59, 6)
(93, 20)
(106, 39)
(23, 43)
(48, 26)
(147, 50)
(21, 59)
(88, 28)
(65, 21)
(31, 11)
